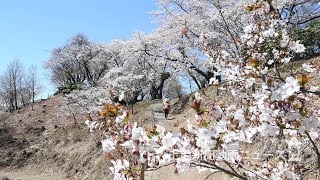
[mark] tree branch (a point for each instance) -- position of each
(214, 166)
(315, 148)
(211, 174)
(155, 168)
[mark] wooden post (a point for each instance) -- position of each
(143, 168)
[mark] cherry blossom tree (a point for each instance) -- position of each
(78, 62)
(299, 12)
(206, 26)
(280, 109)
(245, 43)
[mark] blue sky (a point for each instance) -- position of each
(30, 29)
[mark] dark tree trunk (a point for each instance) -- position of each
(22, 100)
(153, 92)
(33, 94)
(156, 92)
(15, 98)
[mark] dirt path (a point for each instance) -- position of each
(168, 174)
(26, 175)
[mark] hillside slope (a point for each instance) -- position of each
(45, 144)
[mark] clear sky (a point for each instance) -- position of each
(31, 28)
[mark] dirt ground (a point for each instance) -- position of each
(42, 143)
(26, 175)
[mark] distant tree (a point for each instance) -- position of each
(299, 13)
(34, 86)
(5, 95)
(173, 88)
(134, 60)
(24, 95)
(79, 61)
(19, 87)
(11, 84)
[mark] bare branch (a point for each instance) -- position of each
(158, 167)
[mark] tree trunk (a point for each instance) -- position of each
(22, 100)
(11, 104)
(159, 90)
(195, 80)
(156, 92)
(153, 92)
(33, 93)
(15, 98)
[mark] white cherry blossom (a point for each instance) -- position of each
(108, 145)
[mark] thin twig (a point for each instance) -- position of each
(229, 165)
(155, 168)
(214, 166)
(254, 173)
(211, 174)
(278, 73)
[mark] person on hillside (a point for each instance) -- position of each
(166, 107)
